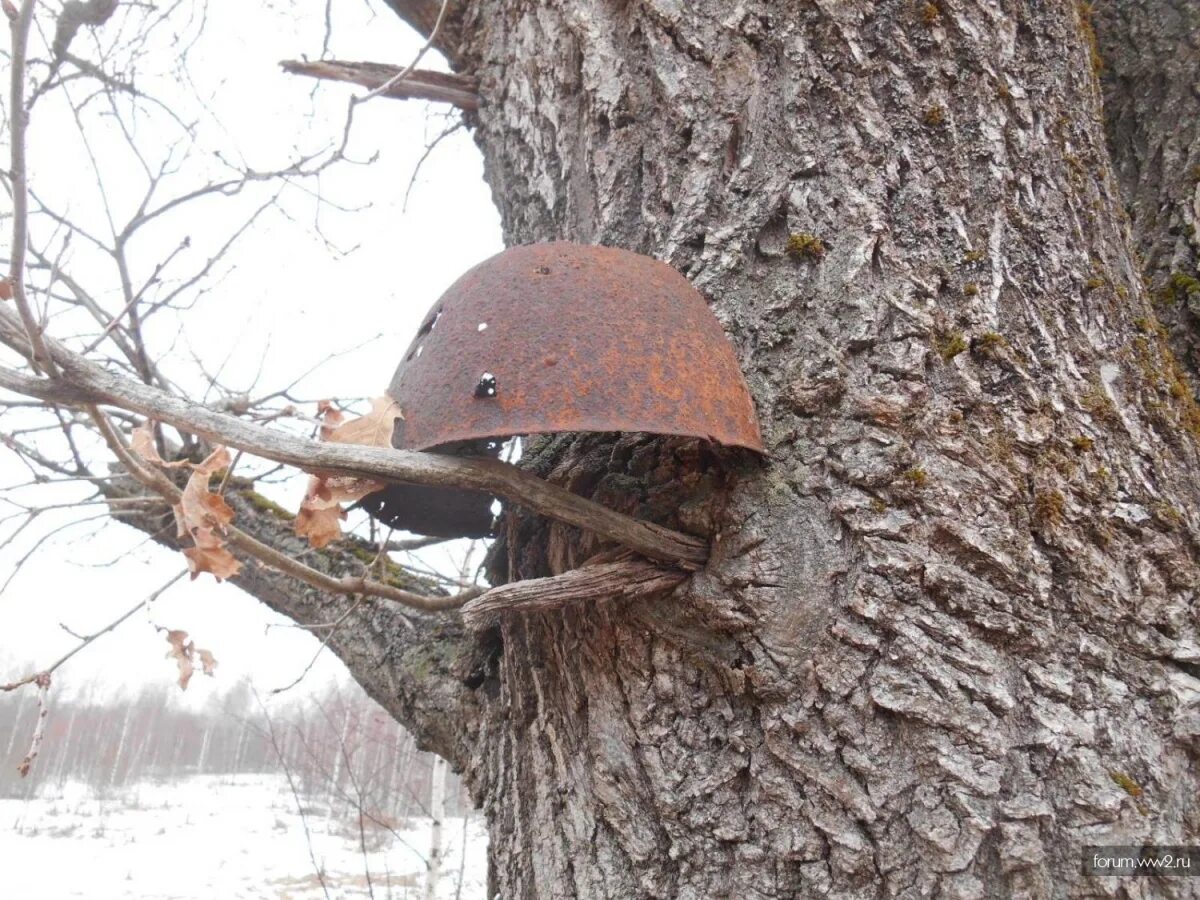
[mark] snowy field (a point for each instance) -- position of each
(223, 837)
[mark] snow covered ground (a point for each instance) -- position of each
(239, 836)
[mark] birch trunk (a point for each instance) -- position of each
(437, 812)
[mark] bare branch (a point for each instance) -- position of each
(419, 84)
(379, 463)
(18, 175)
(85, 640)
(623, 579)
(268, 555)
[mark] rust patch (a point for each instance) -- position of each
(566, 337)
(558, 337)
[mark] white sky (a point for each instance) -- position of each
(285, 303)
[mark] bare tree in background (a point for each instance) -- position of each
(947, 634)
(437, 811)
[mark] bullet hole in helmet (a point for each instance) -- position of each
(486, 388)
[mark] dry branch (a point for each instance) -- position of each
(86, 639)
(18, 174)
(39, 731)
(623, 580)
(501, 479)
(269, 556)
(419, 84)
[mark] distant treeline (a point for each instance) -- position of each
(339, 747)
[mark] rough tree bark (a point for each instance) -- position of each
(1150, 50)
(948, 631)
(948, 634)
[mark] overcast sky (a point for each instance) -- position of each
(287, 300)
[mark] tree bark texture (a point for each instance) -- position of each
(948, 634)
(1150, 52)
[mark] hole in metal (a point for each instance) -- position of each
(430, 322)
(425, 328)
(486, 388)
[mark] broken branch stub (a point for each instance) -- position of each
(558, 337)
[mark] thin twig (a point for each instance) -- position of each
(43, 685)
(320, 872)
(19, 179)
(324, 643)
(85, 640)
(446, 132)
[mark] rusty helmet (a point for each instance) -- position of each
(563, 337)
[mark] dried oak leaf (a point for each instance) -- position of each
(185, 652)
(217, 561)
(204, 516)
(181, 651)
(372, 430)
(142, 443)
(200, 514)
(321, 514)
(318, 521)
(208, 662)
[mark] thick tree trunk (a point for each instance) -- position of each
(948, 634)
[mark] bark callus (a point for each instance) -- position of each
(676, 482)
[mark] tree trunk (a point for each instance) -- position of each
(437, 813)
(948, 635)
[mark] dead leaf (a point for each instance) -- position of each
(141, 441)
(184, 652)
(207, 663)
(334, 489)
(331, 418)
(217, 561)
(372, 430)
(321, 513)
(181, 651)
(204, 514)
(200, 514)
(321, 526)
(216, 461)
(320, 516)
(6, 289)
